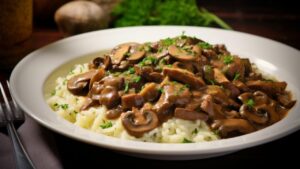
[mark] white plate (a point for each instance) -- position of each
(28, 77)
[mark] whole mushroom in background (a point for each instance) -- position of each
(81, 16)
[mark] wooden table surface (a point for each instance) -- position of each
(277, 20)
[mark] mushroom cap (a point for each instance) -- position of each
(79, 85)
(138, 122)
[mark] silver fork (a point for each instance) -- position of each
(10, 113)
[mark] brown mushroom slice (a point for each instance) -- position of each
(212, 109)
(184, 65)
(179, 54)
(114, 113)
(132, 100)
(150, 92)
(220, 96)
(219, 77)
(109, 97)
(79, 84)
(235, 68)
(196, 49)
(88, 102)
(271, 88)
(117, 82)
(156, 77)
(184, 76)
(247, 64)
(253, 116)
(270, 110)
(285, 100)
(100, 62)
(138, 122)
(136, 56)
(227, 126)
(187, 114)
(99, 74)
(120, 53)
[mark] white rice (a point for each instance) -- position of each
(68, 106)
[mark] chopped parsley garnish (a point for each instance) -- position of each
(168, 42)
(53, 92)
(228, 59)
(64, 106)
(126, 87)
(106, 125)
(236, 76)
(148, 61)
(195, 131)
(185, 140)
(250, 103)
(137, 79)
(212, 81)
(161, 90)
(131, 70)
(75, 112)
(205, 45)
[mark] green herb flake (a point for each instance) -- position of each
(185, 140)
(130, 71)
(228, 59)
(106, 125)
(53, 92)
(205, 45)
(212, 81)
(168, 42)
(161, 90)
(250, 103)
(137, 79)
(64, 106)
(75, 112)
(236, 76)
(126, 87)
(195, 131)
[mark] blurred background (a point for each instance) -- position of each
(30, 24)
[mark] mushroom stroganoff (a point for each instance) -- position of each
(176, 90)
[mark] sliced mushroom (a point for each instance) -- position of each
(120, 53)
(88, 102)
(220, 96)
(109, 97)
(219, 77)
(100, 62)
(150, 92)
(114, 113)
(184, 65)
(79, 85)
(117, 82)
(136, 56)
(188, 114)
(271, 88)
(270, 110)
(180, 54)
(138, 122)
(156, 77)
(286, 100)
(212, 109)
(132, 100)
(184, 76)
(259, 117)
(226, 127)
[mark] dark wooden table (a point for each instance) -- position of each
(277, 20)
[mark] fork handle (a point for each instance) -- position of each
(22, 159)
